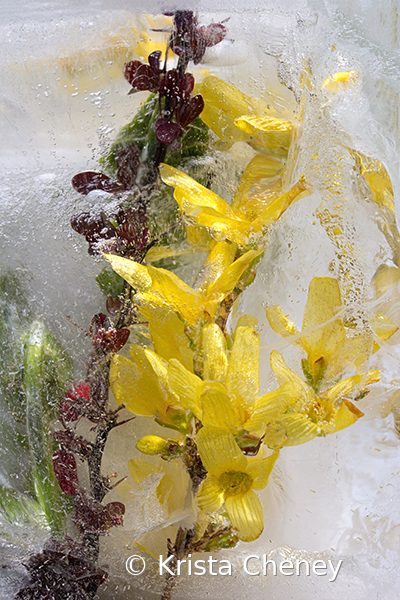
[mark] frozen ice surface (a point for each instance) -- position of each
(336, 497)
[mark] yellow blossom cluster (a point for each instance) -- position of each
(199, 377)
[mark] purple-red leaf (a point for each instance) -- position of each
(141, 76)
(92, 180)
(120, 338)
(113, 305)
(64, 465)
(115, 512)
(189, 111)
(212, 34)
(68, 412)
(185, 87)
(168, 84)
(71, 407)
(93, 517)
(142, 239)
(154, 62)
(72, 442)
(80, 390)
(166, 132)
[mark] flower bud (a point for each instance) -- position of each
(155, 445)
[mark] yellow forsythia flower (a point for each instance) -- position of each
(330, 351)
(308, 415)
(234, 117)
(232, 479)
(236, 223)
(231, 384)
(141, 384)
(159, 287)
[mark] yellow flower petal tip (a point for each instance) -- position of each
(341, 80)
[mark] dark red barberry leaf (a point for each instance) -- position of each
(92, 180)
(113, 305)
(80, 223)
(166, 131)
(93, 517)
(212, 34)
(121, 337)
(185, 87)
(141, 76)
(154, 62)
(80, 390)
(127, 233)
(168, 84)
(64, 465)
(189, 111)
(68, 412)
(115, 512)
(130, 70)
(185, 21)
(99, 321)
(142, 239)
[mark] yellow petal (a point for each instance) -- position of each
(246, 515)
(257, 186)
(229, 278)
(176, 294)
(280, 322)
(242, 380)
(134, 273)
(223, 104)
(246, 321)
(189, 192)
(198, 237)
(186, 386)
(160, 252)
(346, 415)
(278, 205)
(298, 429)
(237, 230)
(323, 302)
(285, 375)
(355, 351)
(383, 326)
(341, 79)
(378, 180)
(267, 133)
(219, 452)
(210, 497)
(260, 470)
(215, 353)
(219, 259)
(167, 332)
(135, 385)
(345, 387)
(217, 409)
(140, 469)
(270, 405)
(384, 278)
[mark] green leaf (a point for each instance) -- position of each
(138, 132)
(45, 376)
(20, 509)
(193, 144)
(110, 283)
